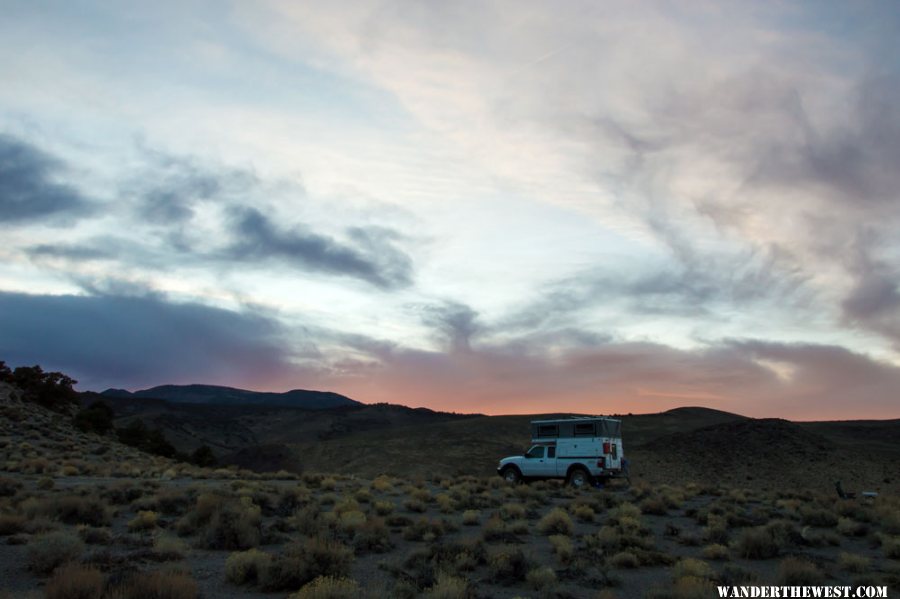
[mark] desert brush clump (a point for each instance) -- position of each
(471, 517)
(424, 529)
(563, 548)
(372, 536)
(756, 543)
(50, 550)
(796, 571)
(857, 564)
(509, 567)
(247, 567)
(143, 521)
(556, 521)
(328, 587)
(159, 584)
(850, 527)
(512, 511)
(447, 586)
(624, 559)
(716, 552)
(691, 567)
(69, 509)
(541, 578)
(75, 581)
(305, 560)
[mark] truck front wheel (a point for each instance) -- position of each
(511, 475)
(579, 478)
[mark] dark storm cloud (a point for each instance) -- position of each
(138, 341)
(373, 259)
(29, 185)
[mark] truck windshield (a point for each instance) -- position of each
(535, 452)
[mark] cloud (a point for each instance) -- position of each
(139, 341)
(751, 377)
(373, 258)
(30, 189)
(456, 324)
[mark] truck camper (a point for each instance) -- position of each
(580, 450)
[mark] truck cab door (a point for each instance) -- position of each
(538, 462)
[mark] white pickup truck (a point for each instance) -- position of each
(579, 450)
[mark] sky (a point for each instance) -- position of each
(496, 207)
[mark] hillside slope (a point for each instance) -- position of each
(228, 396)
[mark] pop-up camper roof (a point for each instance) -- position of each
(576, 427)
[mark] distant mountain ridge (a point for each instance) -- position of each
(229, 396)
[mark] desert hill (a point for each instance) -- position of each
(685, 444)
(217, 395)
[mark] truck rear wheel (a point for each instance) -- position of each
(579, 478)
(512, 475)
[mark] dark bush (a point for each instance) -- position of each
(96, 418)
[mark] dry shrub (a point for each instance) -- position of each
(556, 521)
(245, 567)
(757, 543)
(329, 587)
(372, 535)
(584, 513)
(541, 578)
(74, 581)
(857, 564)
(143, 521)
(424, 529)
(446, 504)
(382, 484)
(169, 548)
(471, 517)
(306, 560)
(449, 587)
(49, 550)
(512, 511)
(654, 505)
(563, 548)
(383, 508)
(93, 535)
(509, 567)
(45, 484)
(415, 505)
(230, 524)
(70, 509)
(716, 552)
(363, 496)
(624, 559)
(692, 568)
(795, 571)
(816, 516)
(690, 587)
(157, 585)
(851, 528)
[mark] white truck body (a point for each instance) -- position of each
(577, 449)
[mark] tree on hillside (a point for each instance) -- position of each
(53, 390)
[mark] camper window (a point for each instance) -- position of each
(551, 452)
(548, 430)
(584, 430)
(535, 452)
